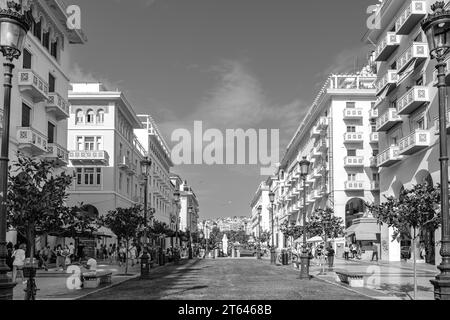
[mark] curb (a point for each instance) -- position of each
(107, 287)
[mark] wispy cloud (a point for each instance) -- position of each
(78, 74)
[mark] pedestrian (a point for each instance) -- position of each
(9, 258)
(47, 256)
(66, 255)
(18, 263)
(422, 252)
(71, 251)
(105, 252)
(122, 255)
(132, 251)
(319, 254)
(346, 251)
(60, 259)
(374, 251)
(330, 256)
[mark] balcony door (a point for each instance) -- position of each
(51, 133)
(26, 64)
(26, 116)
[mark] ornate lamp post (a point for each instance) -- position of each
(145, 270)
(437, 29)
(258, 251)
(13, 29)
(273, 258)
(304, 257)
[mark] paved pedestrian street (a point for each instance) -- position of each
(226, 279)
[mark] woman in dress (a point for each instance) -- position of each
(18, 263)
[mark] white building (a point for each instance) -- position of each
(39, 104)
(338, 137)
(260, 223)
(407, 105)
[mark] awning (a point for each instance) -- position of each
(104, 232)
(364, 229)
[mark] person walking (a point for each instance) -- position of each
(374, 252)
(330, 256)
(132, 254)
(18, 263)
(122, 255)
(9, 257)
(346, 251)
(60, 259)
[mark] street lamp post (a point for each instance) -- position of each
(191, 211)
(272, 248)
(145, 164)
(437, 29)
(258, 250)
(13, 29)
(304, 257)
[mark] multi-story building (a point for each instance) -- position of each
(38, 123)
(407, 108)
(161, 187)
(189, 209)
(339, 138)
(104, 153)
(260, 223)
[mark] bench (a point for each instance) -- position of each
(94, 279)
(353, 279)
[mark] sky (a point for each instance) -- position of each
(250, 64)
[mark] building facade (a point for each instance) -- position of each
(189, 210)
(407, 105)
(104, 153)
(338, 137)
(39, 101)
(260, 223)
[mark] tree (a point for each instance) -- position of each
(416, 210)
(125, 223)
(215, 236)
(36, 201)
(237, 236)
(323, 222)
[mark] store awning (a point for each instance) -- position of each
(364, 229)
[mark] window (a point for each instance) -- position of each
(100, 116)
(351, 129)
(51, 83)
(54, 49)
(352, 177)
(79, 117)
(394, 104)
(99, 143)
(26, 116)
(419, 82)
(374, 128)
(89, 176)
(38, 30)
(372, 105)
(89, 143)
(90, 116)
(350, 105)
(46, 40)
(26, 64)
(375, 177)
(420, 124)
(375, 152)
(120, 180)
(128, 185)
(51, 132)
(351, 153)
(79, 143)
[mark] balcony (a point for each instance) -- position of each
(418, 52)
(373, 114)
(316, 153)
(323, 146)
(58, 106)
(354, 185)
(415, 142)
(413, 99)
(32, 141)
(89, 157)
(58, 154)
(389, 157)
(124, 163)
(32, 84)
(408, 19)
(390, 78)
(387, 46)
(353, 113)
(132, 170)
(353, 137)
(353, 162)
(315, 132)
(373, 162)
(374, 137)
(375, 186)
(389, 119)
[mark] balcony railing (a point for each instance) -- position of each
(390, 78)
(31, 83)
(58, 105)
(354, 161)
(389, 157)
(124, 163)
(413, 99)
(89, 157)
(387, 120)
(32, 140)
(410, 17)
(418, 51)
(58, 154)
(353, 137)
(387, 46)
(353, 113)
(374, 137)
(415, 142)
(354, 185)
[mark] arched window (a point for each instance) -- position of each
(101, 116)
(79, 117)
(90, 116)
